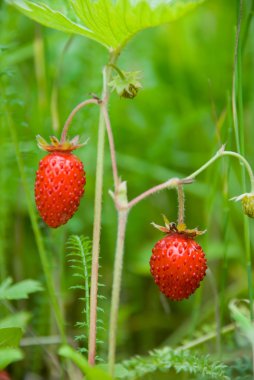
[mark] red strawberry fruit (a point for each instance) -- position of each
(4, 375)
(178, 263)
(60, 181)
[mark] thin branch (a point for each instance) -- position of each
(173, 182)
(111, 145)
(205, 338)
(73, 113)
(40, 341)
(115, 299)
(97, 213)
(180, 194)
(234, 80)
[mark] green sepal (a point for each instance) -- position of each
(126, 84)
(56, 145)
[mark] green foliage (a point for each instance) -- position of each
(9, 341)
(240, 369)
(19, 319)
(111, 23)
(241, 314)
(10, 336)
(18, 291)
(182, 361)
(92, 373)
(80, 258)
(9, 355)
(179, 119)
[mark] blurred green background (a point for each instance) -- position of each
(180, 118)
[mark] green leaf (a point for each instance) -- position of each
(92, 373)
(9, 355)
(16, 320)
(241, 314)
(10, 336)
(167, 358)
(44, 15)
(110, 22)
(18, 291)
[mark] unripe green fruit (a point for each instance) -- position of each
(248, 205)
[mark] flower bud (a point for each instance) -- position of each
(126, 84)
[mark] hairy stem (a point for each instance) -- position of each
(173, 182)
(111, 145)
(121, 74)
(118, 265)
(97, 215)
(222, 153)
(72, 114)
(180, 194)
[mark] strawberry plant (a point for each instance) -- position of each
(101, 340)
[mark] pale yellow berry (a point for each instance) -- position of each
(248, 205)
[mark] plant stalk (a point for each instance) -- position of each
(222, 153)
(97, 214)
(237, 111)
(180, 194)
(118, 265)
(71, 116)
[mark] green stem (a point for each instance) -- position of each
(237, 110)
(71, 116)
(40, 69)
(205, 338)
(180, 194)
(37, 233)
(87, 286)
(222, 153)
(121, 74)
(118, 265)
(97, 215)
(55, 86)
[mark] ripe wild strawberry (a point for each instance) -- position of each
(178, 263)
(4, 375)
(59, 183)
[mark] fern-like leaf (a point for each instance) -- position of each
(80, 253)
(80, 258)
(167, 358)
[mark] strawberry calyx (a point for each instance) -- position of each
(126, 83)
(59, 146)
(171, 228)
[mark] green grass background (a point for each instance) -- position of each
(180, 118)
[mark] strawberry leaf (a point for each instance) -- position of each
(10, 336)
(18, 291)
(110, 22)
(49, 17)
(9, 355)
(92, 373)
